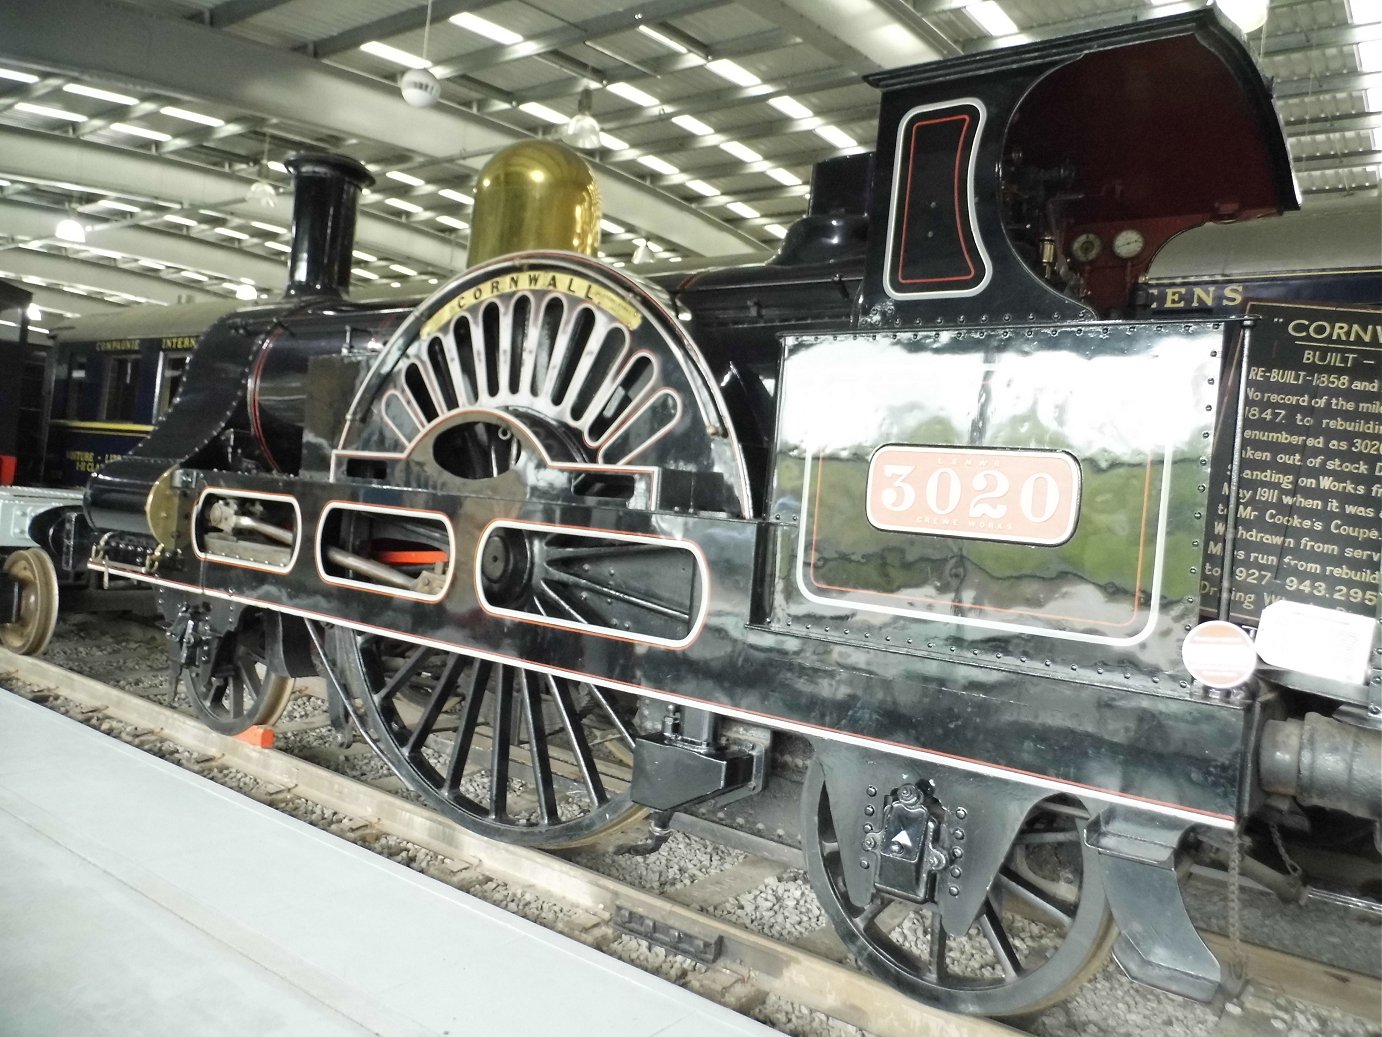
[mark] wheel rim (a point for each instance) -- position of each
(236, 690)
(503, 750)
(1044, 928)
(33, 628)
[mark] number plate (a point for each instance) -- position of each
(980, 493)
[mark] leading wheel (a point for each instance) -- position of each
(1044, 929)
(37, 615)
(544, 379)
(231, 686)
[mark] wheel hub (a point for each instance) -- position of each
(505, 566)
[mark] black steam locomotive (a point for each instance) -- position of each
(569, 546)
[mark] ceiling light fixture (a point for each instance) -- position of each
(993, 19)
(486, 28)
(631, 93)
(419, 87)
(613, 143)
(666, 41)
(140, 131)
(49, 112)
(736, 74)
(188, 116)
(399, 203)
(741, 209)
(836, 136)
(456, 196)
(610, 227)
(33, 312)
(277, 246)
(583, 132)
(261, 192)
(701, 187)
(658, 165)
(99, 94)
(541, 111)
(783, 177)
(398, 57)
(451, 221)
(1246, 14)
(17, 76)
(691, 124)
(406, 178)
(69, 229)
(742, 152)
(790, 107)
(246, 292)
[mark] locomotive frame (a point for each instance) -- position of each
(563, 508)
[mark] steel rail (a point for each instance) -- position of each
(747, 961)
(750, 964)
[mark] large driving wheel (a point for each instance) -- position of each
(37, 617)
(1044, 929)
(231, 687)
(551, 378)
(505, 751)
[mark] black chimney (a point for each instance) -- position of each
(326, 189)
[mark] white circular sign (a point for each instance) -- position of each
(1219, 654)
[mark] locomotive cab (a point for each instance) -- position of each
(1054, 163)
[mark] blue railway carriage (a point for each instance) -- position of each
(110, 377)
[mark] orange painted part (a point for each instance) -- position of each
(259, 736)
(8, 464)
(409, 557)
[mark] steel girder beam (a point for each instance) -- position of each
(863, 35)
(167, 247)
(100, 276)
(138, 174)
(649, 13)
(49, 299)
(189, 60)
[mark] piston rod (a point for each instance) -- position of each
(338, 556)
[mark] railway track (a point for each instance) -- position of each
(733, 965)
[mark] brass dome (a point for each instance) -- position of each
(534, 195)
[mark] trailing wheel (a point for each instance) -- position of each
(37, 615)
(228, 679)
(1044, 928)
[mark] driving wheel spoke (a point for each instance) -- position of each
(537, 746)
(580, 745)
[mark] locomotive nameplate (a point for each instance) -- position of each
(537, 281)
(1306, 520)
(1017, 496)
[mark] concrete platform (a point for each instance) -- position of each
(138, 898)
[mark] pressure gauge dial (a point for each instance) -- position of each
(1128, 244)
(1086, 248)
